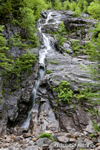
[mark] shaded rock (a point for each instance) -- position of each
(75, 23)
(48, 28)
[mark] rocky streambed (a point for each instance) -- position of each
(69, 124)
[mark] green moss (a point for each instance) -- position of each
(46, 135)
(95, 126)
(48, 71)
(92, 135)
(52, 62)
(67, 51)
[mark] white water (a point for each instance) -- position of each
(42, 56)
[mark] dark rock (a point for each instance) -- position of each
(45, 147)
(44, 14)
(59, 47)
(48, 28)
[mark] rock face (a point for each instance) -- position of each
(64, 66)
(69, 124)
(14, 104)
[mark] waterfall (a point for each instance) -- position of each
(42, 56)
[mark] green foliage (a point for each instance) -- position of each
(95, 126)
(69, 5)
(46, 135)
(67, 51)
(48, 71)
(92, 135)
(96, 31)
(5, 61)
(77, 12)
(90, 48)
(60, 34)
(65, 93)
(23, 64)
(57, 5)
(24, 14)
(52, 62)
(75, 46)
(83, 6)
(16, 41)
(89, 95)
(94, 9)
(39, 6)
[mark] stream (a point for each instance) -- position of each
(42, 56)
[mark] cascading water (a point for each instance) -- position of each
(42, 56)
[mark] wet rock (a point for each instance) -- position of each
(44, 14)
(59, 47)
(48, 28)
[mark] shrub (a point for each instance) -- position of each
(65, 93)
(75, 45)
(60, 34)
(77, 12)
(5, 61)
(94, 9)
(46, 135)
(23, 64)
(57, 5)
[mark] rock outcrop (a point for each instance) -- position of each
(69, 124)
(15, 103)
